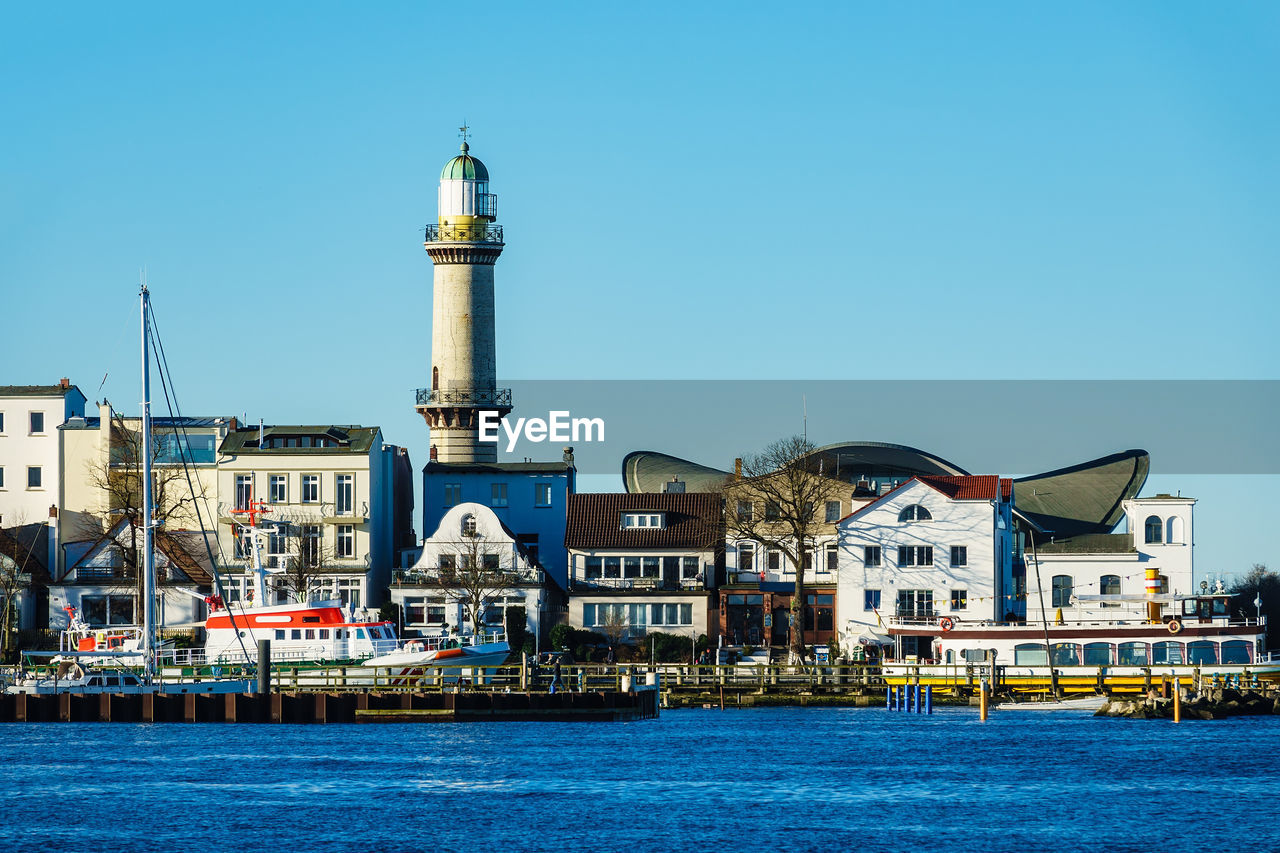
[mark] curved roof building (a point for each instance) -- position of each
(1083, 498)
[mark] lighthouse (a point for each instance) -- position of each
(464, 246)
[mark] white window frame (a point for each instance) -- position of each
(345, 535)
(280, 495)
(312, 480)
(344, 494)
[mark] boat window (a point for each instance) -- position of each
(975, 655)
(311, 633)
(360, 635)
(310, 619)
(95, 681)
(295, 634)
(1202, 651)
(1132, 654)
(1220, 607)
(130, 681)
(1166, 652)
(1097, 654)
(1030, 654)
(1066, 654)
(279, 633)
(1236, 651)
(324, 633)
(113, 680)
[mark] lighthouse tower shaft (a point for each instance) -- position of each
(463, 246)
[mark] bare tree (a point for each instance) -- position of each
(614, 626)
(778, 502)
(17, 547)
(119, 477)
(477, 576)
(297, 548)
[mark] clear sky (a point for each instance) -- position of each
(828, 191)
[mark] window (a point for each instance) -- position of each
(1, 478)
(746, 556)
(241, 543)
(1, 423)
(959, 599)
(309, 545)
(647, 520)
(490, 562)
(1131, 654)
(1155, 528)
(34, 477)
(449, 562)
(631, 567)
(775, 560)
(345, 498)
(311, 488)
(689, 568)
(819, 612)
(278, 489)
(915, 603)
(1097, 654)
(276, 541)
(833, 511)
(452, 494)
(498, 494)
(1166, 653)
(915, 555)
(346, 541)
(871, 599)
(1061, 590)
(915, 512)
(833, 558)
(744, 510)
(469, 525)
(37, 423)
(1110, 585)
(649, 566)
(102, 610)
(594, 568)
(244, 490)
(613, 567)
(1236, 651)
(772, 512)
(542, 494)
(871, 555)
(1202, 652)
(959, 555)
(1030, 654)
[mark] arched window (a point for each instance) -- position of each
(1030, 654)
(1110, 585)
(1166, 652)
(915, 512)
(1202, 651)
(435, 379)
(1132, 654)
(1066, 654)
(1173, 531)
(468, 525)
(1097, 654)
(1236, 651)
(1155, 527)
(1062, 590)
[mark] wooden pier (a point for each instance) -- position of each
(319, 707)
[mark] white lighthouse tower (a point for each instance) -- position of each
(464, 245)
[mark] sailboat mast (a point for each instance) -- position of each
(148, 549)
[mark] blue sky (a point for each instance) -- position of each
(852, 190)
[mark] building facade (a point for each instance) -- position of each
(936, 546)
(30, 468)
(331, 492)
(471, 556)
(646, 562)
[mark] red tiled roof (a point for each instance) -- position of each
(968, 487)
(692, 521)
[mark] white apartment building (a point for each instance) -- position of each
(29, 464)
(331, 494)
(935, 546)
(470, 534)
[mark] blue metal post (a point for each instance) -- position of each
(928, 699)
(919, 706)
(888, 698)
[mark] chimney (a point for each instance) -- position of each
(737, 468)
(64, 383)
(51, 550)
(234, 424)
(568, 456)
(434, 454)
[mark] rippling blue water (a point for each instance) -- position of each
(778, 779)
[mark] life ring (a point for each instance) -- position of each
(946, 623)
(1175, 627)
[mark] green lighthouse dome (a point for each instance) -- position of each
(464, 167)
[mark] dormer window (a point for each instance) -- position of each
(469, 526)
(643, 520)
(915, 512)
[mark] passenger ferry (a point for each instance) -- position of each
(1127, 654)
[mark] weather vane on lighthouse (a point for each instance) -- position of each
(464, 131)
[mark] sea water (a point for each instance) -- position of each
(789, 779)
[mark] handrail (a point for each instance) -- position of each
(475, 233)
(464, 396)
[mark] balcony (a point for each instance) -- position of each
(474, 233)
(431, 577)
(498, 398)
(105, 573)
(646, 584)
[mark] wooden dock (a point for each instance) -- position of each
(318, 707)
